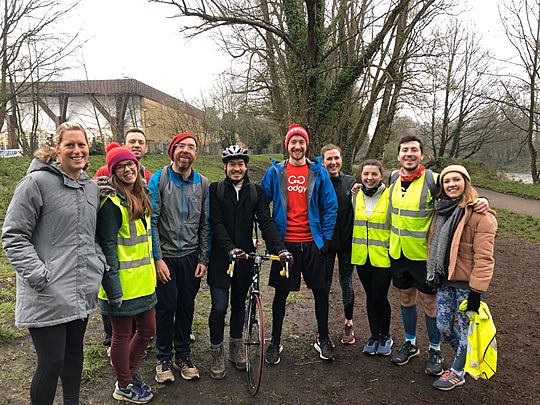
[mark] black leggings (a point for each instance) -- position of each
(376, 282)
(321, 312)
(59, 351)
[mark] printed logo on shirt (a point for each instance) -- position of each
(296, 183)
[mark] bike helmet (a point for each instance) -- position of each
(235, 152)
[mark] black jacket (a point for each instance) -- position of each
(342, 239)
(231, 222)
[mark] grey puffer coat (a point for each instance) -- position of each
(49, 237)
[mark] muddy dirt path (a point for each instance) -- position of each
(353, 378)
(511, 203)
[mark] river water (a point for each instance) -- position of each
(523, 177)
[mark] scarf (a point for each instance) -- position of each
(370, 192)
(411, 177)
(449, 213)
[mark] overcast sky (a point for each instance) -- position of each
(134, 38)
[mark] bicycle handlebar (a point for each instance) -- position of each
(258, 260)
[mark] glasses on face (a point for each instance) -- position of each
(182, 146)
(121, 168)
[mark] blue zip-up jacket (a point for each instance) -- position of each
(180, 224)
(322, 200)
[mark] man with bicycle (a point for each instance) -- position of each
(305, 210)
(235, 205)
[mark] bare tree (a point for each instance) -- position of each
(32, 49)
(312, 61)
(521, 20)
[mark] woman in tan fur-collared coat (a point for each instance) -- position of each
(460, 264)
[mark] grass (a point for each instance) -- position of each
(518, 226)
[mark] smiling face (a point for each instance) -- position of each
(72, 152)
(410, 156)
(371, 176)
(185, 153)
(127, 171)
(236, 170)
(453, 184)
(332, 162)
(297, 148)
(136, 143)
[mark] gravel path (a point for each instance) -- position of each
(511, 203)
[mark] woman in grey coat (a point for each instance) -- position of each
(49, 238)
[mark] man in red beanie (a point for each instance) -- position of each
(180, 239)
(305, 216)
(135, 141)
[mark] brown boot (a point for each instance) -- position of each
(237, 354)
(217, 370)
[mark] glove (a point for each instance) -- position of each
(238, 254)
(473, 301)
(285, 256)
(326, 247)
(117, 303)
(106, 188)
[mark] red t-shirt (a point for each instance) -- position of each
(104, 171)
(297, 205)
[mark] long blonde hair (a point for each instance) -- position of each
(139, 204)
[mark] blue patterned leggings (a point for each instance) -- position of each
(448, 300)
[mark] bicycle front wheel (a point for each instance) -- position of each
(254, 342)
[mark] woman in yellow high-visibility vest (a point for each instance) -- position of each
(371, 236)
(128, 288)
(460, 264)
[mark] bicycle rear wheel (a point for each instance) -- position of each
(254, 342)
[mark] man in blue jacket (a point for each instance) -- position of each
(180, 243)
(305, 210)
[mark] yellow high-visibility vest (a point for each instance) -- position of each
(135, 261)
(371, 236)
(411, 216)
(481, 360)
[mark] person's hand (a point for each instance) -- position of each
(162, 271)
(116, 302)
(105, 185)
(356, 188)
(481, 205)
(285, 257)
(473, 301)
(237, 254)
(326, 247)
(200, 270)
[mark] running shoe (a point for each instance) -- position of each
(272, 353)
(406, 352)
(449, 380)
(434, 363)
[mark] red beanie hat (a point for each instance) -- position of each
(118, 154)
(112, 145)
(178, 138)
(296, 129)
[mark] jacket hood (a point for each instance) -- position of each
(315, 165)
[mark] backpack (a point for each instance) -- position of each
(164, 176)
(433, 188)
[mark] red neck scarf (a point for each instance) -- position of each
(411, 177)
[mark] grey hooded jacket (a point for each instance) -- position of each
(49, 238)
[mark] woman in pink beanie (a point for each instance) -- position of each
(128, 288)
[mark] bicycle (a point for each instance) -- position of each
(253, 332)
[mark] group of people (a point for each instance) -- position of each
(141, 243)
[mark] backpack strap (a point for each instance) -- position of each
(430, 179)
